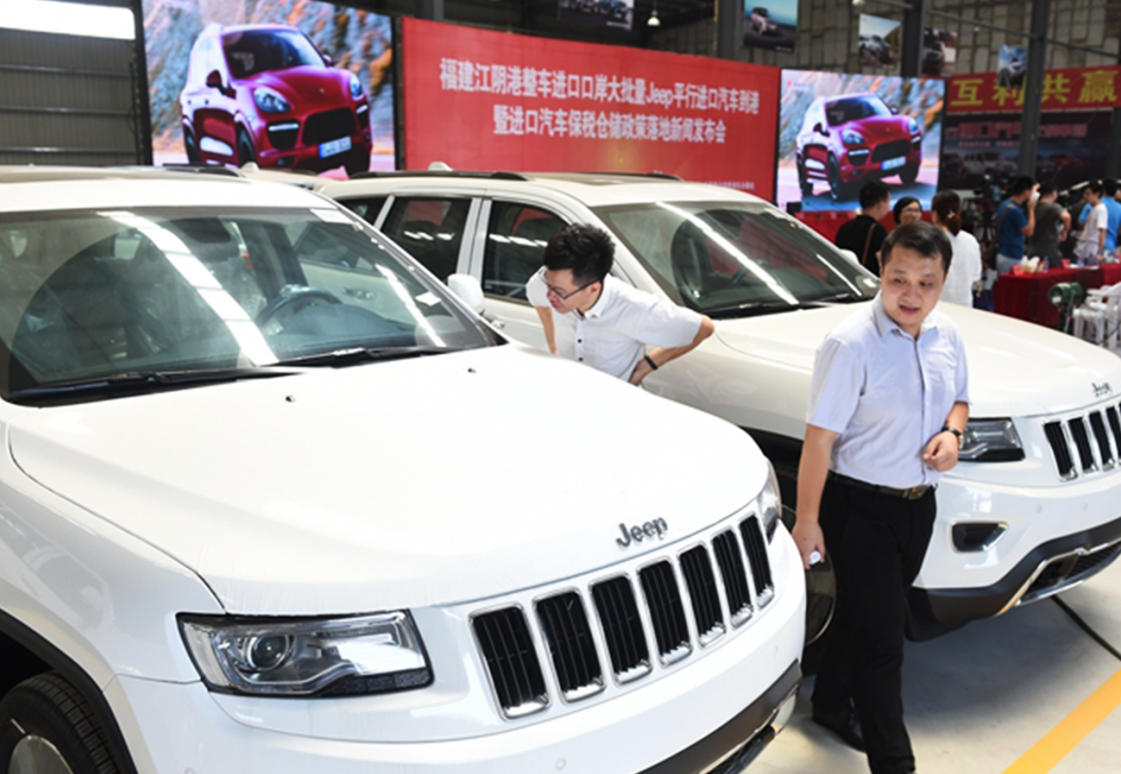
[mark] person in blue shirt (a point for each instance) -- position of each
(1113, 211)
(1015, 221)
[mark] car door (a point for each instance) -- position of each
(510, 249)
(432, 228)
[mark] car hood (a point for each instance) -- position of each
(878, 128)
(395, 484)
(1016, 368)
(308, 86)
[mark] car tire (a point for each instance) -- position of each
(909, 174)
(45, 724)
(245, 152)
(837, 189)
(191, 146)
(358, 161)
(804, 184)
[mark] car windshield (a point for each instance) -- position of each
(113, 295)
(855, 108)
(249, 53)
(729, 259)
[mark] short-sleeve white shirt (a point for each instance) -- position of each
(887, 394)
(965, 269)
(613, 335)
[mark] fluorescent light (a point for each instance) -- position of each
(91, 21)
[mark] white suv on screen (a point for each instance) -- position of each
(273, 500)
(1033, 507)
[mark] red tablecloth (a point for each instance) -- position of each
(1025, 295)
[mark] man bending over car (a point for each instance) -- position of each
(596, 319)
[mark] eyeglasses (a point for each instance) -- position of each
(566, 296)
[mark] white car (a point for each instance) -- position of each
(1033, 507)
(273, 500)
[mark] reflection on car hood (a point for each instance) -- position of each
(400, 484)
(1016, 368)
(308, 86)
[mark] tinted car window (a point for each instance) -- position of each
(367, 209)
(431, 230)
(516, 239)
(727, 259)
(255, 52)
(103, 296)
(845, 110)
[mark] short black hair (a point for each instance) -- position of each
(587, 250)
(924, 238)
(872, 193)
(1020, 184)
(1110, 186)
(1048, 188)
(1095, 186)
(897, 210)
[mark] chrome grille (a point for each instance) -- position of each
(671, 603)
(1086, 443)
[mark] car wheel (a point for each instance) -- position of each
(47, 726)
(837, 189)
(804, 183)
(909, 174)
(245, 152)
(358, 161)
(191, 146)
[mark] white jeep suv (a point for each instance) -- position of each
(1033, 507)
(272, 500)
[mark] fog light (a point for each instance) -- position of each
(979, 536)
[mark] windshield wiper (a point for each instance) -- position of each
(354, 355)
(751, 308)
(846, 297)
(138, 382)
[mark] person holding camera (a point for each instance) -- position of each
(1015, 219)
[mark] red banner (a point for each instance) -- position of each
(1087, 88)
(484, 100)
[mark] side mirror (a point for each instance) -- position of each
(468, 289)
(328, 60)
(214, 81)
(850, 255)
(819, 129)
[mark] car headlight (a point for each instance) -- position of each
(270, 101)
(849, 137)
(990, 440)
(308, 657)
(770, 503)
(356, 87)
(913, 126)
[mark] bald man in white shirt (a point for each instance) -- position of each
(593, 318)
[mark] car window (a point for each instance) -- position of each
(257, 51)
(727, 259)
(430, 229)
(366, 208)
(516, 239)
(855, 108)
(104, 295)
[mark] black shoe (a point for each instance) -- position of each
(843, 723)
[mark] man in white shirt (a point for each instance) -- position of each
(889, 403)
(1092, 238)
(596, 319)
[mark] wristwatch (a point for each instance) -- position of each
(955, 431)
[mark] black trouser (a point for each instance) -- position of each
(877, 543)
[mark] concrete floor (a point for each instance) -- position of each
(978, 700)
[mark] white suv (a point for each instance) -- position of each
(1034, 506)
(272, 500)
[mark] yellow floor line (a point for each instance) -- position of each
(1048, 751)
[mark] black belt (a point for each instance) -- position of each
(911, 493)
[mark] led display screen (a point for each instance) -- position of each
(295, 84)
(838, 131)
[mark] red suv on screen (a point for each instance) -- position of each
(852, 138)
(265, 93)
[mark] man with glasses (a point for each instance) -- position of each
(596, 319)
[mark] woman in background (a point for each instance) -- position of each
(963, 281)
(907, 210)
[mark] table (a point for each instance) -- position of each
(1026, 295)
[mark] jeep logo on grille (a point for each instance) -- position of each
(1102, 389)
(656, 528)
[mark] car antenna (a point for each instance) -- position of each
(439, 166)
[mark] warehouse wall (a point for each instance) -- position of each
(67, 100)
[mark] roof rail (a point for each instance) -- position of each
(203, 169)
(437, 173)
(659, 175)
